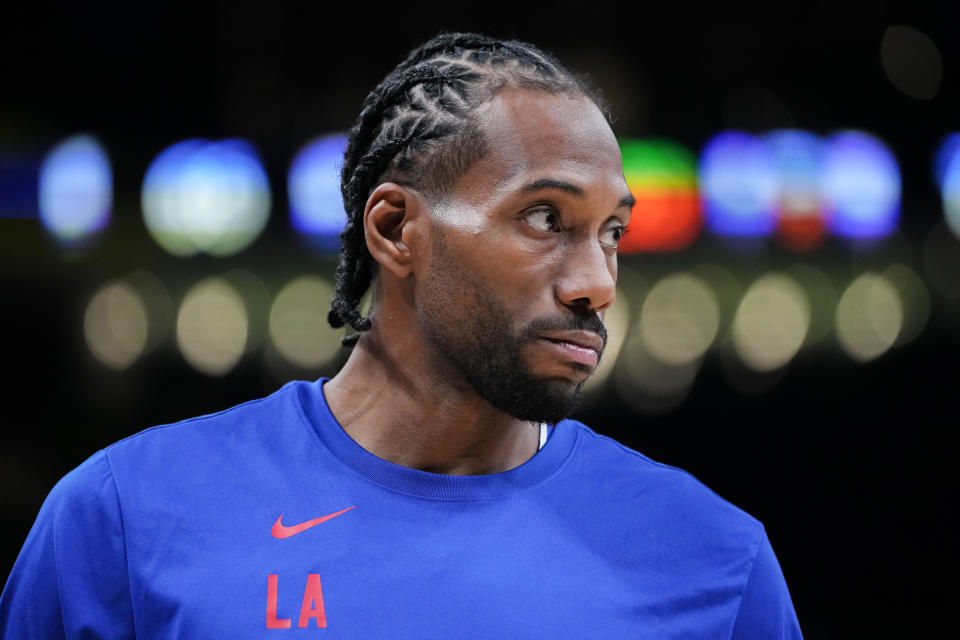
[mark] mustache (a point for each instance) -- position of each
(580, 322)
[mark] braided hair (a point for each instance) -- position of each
(418, 128)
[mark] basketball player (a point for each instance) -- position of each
(434, 487)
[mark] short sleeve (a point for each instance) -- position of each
(70, 579)
(766, 610)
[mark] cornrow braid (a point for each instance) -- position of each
(418, 127)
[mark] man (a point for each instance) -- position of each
(432, 488)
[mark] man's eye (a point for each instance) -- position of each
(611, 237)
(543, 219)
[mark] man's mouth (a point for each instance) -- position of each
(582, 347)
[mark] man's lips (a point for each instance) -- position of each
(583, 347)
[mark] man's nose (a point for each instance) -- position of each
(589, 278)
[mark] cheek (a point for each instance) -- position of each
(496, 268)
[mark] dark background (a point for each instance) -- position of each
(848, 465)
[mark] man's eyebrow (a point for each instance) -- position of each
(626, 201)
(550, 183)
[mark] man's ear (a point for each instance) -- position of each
(390, 209)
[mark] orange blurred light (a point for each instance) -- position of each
(662, 178)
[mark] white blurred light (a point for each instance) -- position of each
(316, 204)
(210, 197)
(256, 299)
(745, 379)
(647, 384)
(115, 325)
(941, 260)
(617, 321)
(771, 322)
(75, 189)
(157, 303)
(911, 61)
(679, 319)
(726, 288)
(869, 317)
(298, 323)
(822, 297)
(915, 298)
(212, 327)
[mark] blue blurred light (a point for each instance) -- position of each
(738, 183)
(798, 156)
(946, 152)
(950, 187)
(201, 196)
(75, 190)
(860, 185)
(316, 205)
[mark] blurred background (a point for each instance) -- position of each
(788, 326)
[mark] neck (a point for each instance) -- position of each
(399, 407)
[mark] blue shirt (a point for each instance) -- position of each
(268, 521)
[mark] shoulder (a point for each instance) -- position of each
(668, 497)
(88, 488)
(179, 463)
(219, 433)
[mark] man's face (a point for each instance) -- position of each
(523, 262)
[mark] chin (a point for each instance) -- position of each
(540, 399)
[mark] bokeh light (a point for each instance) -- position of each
(156, 302)
(679, 319)
(941, 260)
(869, 317)
(316, 205)
(738, 185)
(210, 197)
(648, 385)
(946, 152)
(662, 177)
(727, 292)
(914, 298)
(797, 157)
(212, 326)
(75, 190)
(822, 297)
(115, 325)
(911, 61)
(947, 173)
(256, 299)
(771, 322)
(860, 186)
(745, 379)
(298, 323)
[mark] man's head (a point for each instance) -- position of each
(514, 261)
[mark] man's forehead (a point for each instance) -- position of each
(531, 134)
(529, 115)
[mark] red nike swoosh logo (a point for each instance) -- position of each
(279, 531)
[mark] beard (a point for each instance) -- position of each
(470, 332)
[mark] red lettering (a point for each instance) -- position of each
(272, 621)
(312, 606)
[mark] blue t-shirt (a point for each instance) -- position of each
(268, 521)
